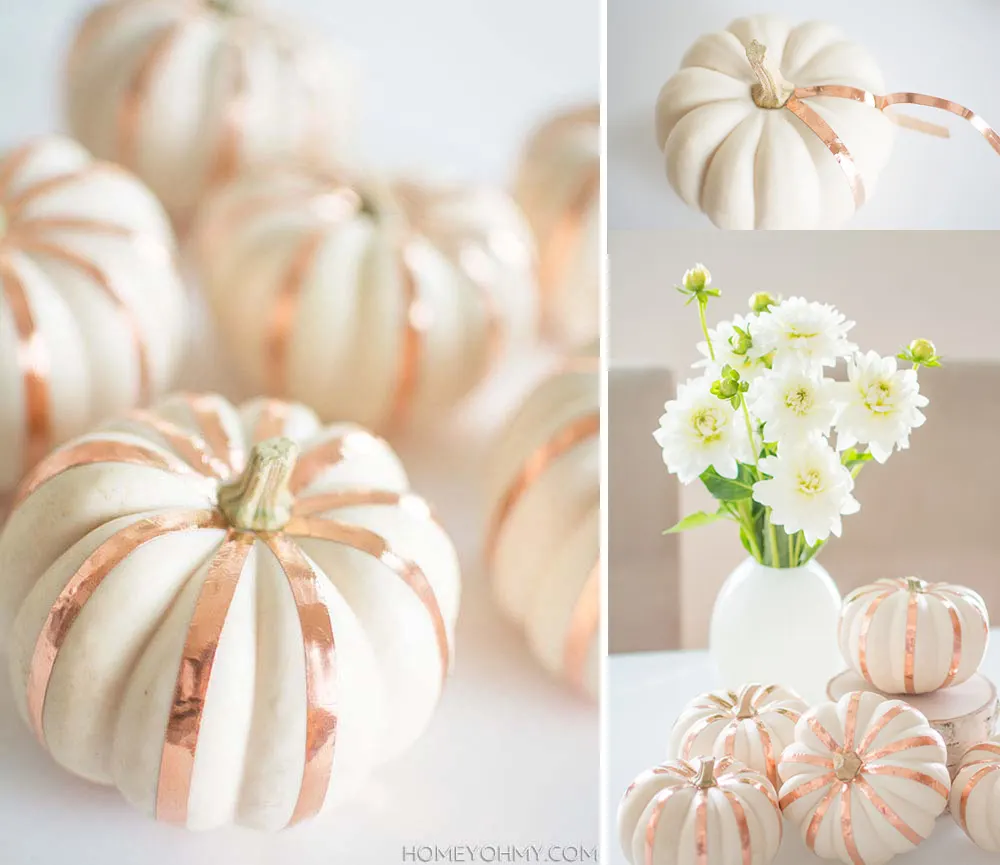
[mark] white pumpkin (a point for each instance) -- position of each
(231, 615)
(906, 636)
(543, 547)
(92, 309)
(864, 779)
(753, 725)
(373, 303)
(748, 166)
(713, 812)
(975, 795)
(188, 93)
(559, 188)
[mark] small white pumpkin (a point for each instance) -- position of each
(748, 166)
(187, 93)
(231, 615)
(713, 812)
(559, 188)
(543, 547)
(753, 725)
(975, 795)
(374, 303)
(906, 636)
(864, 779)
(92, 309)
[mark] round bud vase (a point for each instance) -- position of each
(777, 625)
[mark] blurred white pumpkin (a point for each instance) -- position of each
(975, 795)
(709, 812)
(907, 636)
(750, 166)
(559, 188)
(231, 615)
(864, 779)
(543, 549)
(368, 302)
(188, 92)
(92, 309)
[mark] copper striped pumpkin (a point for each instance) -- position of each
(753, 724)
(864, 779)
(908, 636)
(709, 811)
(975, 796)
(92, 308)
(229, 614)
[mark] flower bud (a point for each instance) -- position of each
(761, 301)
(697, 278)
(725, 388)
(922, 350)
(740, 343)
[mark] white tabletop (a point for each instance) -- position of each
(944, 50)
(645, 694)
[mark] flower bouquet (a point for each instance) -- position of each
(757, 426)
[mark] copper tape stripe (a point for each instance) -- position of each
(572, 434)
(228, 156)
(180, 743)
(321, 503)
(910, 775)
(879, 726)
(374, 545)
(72, 223)
(817, 818)
(701, 827)
(742, 826)
(271, 420)
(95, 25)
(213, 431)
(725, 764)
(970, 785)
(319, 647)
(991, 747)
(13, 162)
(137, 93)
(810, 786)
(770, 764)
(659, 803)
(721, 702)
(808, 759)
(729, 743)
(34, 362)
(326, 454)
(565, 236)
(16, 204)
(584, 623)
(901, 745)
(411, 347)
(851, 721)
(821, 733)
(101, 451)
(956, 651)
(912, 613)
(847, 826)
(818, 126)
(93, 272)
(189, 447)
(766, 790)
(82, 585)
(696, 730)
(886, 811)
(286, 306)
(876, 588)
(866, 624)
(785, 712)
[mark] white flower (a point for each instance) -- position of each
(700, 430)
(724, 339)
(798, 331)
(794, 404)
(808, 491)
(882, 405)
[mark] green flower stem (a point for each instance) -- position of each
(753, 441)
(704, 327)
(773, 535)
(746, 520)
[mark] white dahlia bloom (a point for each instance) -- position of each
(881, 405)
(794, 404)
(808, 491)
(801, 332)
(699, 430)
(724, 340)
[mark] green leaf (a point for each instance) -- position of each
(697, 520)
(852, 457)
(729, 489)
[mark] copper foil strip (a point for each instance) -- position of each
(819, 127)
(970, 785)
(190, 448)
(887, 812)
(415, 324)
(326, 454)
(659, 803)
(321, 674)
(584, 624)
(82, 585)
(205, 409)
(565, 236)
(180, 744)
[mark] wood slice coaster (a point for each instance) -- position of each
(963, 715)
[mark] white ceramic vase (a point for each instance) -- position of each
(777, 625)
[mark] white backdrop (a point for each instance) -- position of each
(926, 46)
(511, 757)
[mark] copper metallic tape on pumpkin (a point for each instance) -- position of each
(970, 786)
(213, 432)
(323, 455)
(818, 126)
(584, 623)
(192, 449)
(659, 803)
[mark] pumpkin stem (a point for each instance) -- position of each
(771, 89)
(706, 773)
(745, 708)
(915, 585)
(259, 499)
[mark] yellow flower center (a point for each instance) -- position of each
(707, 425)
(877, 396)
(811, 482)
(799, 400)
